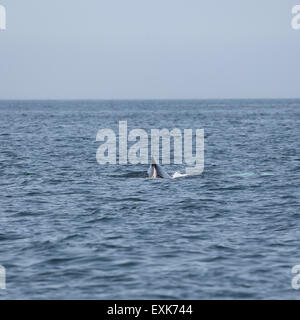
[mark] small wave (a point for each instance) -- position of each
(130, 200)
(129, 175)
(243, 174)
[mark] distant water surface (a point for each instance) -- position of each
(71, 228)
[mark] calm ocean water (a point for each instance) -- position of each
(71, 228)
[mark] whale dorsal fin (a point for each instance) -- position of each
(161, 173)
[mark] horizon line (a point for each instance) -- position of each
(138, 99)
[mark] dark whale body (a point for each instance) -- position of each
(159, 171)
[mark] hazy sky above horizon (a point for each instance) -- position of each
(114, 49)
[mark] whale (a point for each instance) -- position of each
(156, 171)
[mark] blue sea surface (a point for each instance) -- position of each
(71, 228)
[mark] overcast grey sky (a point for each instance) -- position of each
(114, 49)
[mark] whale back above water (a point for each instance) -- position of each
(161, 173)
